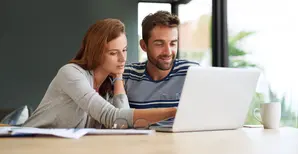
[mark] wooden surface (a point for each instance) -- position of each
(241, 141)
(3, 125)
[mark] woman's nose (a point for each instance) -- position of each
(121, 57)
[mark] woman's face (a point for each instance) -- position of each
(115, 55)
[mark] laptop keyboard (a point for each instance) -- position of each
(165, 123)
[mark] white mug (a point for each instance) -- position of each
(270, 114)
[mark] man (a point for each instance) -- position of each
(157, 82)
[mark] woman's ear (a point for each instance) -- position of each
(143, 45)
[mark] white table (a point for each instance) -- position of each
(241, 141)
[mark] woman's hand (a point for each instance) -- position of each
(116, 75)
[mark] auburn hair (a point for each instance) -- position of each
(94, 44)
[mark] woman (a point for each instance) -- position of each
(88, 92)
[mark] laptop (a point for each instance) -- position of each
(213, 98)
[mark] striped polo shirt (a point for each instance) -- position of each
(143, 92)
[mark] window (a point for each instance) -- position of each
(263, 34)
(195, 31)
(143, 10)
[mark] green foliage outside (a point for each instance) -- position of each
(237, 60)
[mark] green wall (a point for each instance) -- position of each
(37, 37)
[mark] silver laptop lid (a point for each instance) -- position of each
(215, 98)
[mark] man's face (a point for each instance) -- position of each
(162, 47)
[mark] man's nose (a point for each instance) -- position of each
(167, 50)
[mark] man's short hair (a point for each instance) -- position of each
(160, 18)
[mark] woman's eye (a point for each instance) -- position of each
(113, 53)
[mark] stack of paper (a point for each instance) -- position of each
(69, 133)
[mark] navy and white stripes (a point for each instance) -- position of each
(143, 92)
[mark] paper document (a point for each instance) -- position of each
(120, 131)
(69, 133)
(5, 130)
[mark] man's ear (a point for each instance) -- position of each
(143, 45)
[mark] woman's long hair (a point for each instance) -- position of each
(94, 44)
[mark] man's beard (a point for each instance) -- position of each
(160, 65)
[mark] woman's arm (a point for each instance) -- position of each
(118, 84)
(119, 99)
(75, 84)
(153, 115)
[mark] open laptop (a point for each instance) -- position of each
(213, 98)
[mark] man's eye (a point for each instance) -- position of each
(173, 44)
(113, 53)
